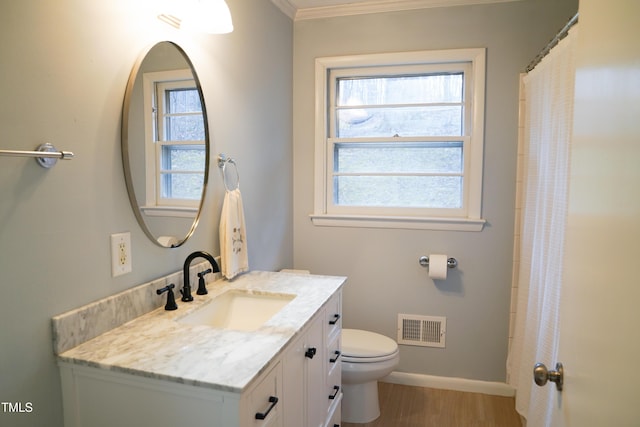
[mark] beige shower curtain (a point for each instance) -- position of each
(548, 112)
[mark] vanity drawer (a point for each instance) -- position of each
(333, 390)
(333, 316)
(334, 355)
(335, 414)
(265, 401)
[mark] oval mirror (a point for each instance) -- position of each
(165, 144)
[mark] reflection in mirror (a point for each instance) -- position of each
(165, 144)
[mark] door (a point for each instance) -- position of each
(600, 305)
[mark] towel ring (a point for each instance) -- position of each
(223, 161)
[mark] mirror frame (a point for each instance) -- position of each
(124, 130)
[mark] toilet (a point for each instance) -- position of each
(366, 358)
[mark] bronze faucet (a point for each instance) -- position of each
(186, 288)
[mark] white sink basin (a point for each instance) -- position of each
(239, 310)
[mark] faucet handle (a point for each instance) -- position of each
(171, 300)
(202, 290)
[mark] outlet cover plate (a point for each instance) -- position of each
(120, 254)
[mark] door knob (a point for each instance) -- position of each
(541, 375)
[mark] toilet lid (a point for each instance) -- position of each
(358, 343)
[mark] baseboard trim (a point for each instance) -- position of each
(450, 383)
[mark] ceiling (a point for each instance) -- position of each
(313, 9)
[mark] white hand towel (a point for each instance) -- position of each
(233, 238)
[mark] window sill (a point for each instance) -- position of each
(170, 211)
(410, 223)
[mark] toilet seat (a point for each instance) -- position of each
(367, 347)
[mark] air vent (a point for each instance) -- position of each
(425, 331)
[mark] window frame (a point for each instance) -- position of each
(326, 213)
(153, 84)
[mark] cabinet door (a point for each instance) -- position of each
(316, 399)
(294, 384)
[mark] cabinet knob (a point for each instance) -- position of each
(311, 351)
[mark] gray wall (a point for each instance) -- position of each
(382, 264)
(64, 67)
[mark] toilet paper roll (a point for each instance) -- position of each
(438, 266)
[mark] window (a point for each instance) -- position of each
(175, 149)
(399, 140)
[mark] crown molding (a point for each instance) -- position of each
(369, 6)
(286, 7)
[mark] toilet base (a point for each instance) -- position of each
(360, 402)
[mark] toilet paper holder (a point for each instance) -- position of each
(451, 262)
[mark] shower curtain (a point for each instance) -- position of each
(548, 123)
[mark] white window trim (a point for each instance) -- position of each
(472, 221)
(153, 205)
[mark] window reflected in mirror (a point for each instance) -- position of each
(175, 139)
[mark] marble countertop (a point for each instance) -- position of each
(155, 345)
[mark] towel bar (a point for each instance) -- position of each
(46, 154)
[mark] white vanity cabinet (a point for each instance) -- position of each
(299, 387)
(313, 375)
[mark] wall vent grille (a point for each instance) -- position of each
(425, 331)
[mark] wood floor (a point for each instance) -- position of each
(408, 406)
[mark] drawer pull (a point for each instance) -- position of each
(336, 390)
(310, 352)
(335, 319)
(335, 359)
(262, 415)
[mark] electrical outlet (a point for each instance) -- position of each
(120, 254)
